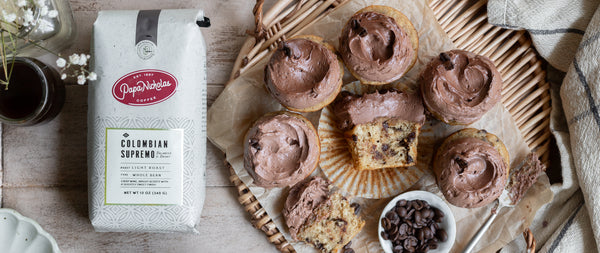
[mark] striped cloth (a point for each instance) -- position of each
(567, 34)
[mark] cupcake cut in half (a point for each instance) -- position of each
(458, 87)
(472, 167)
(381, 128)
(317, 216)
(281, 149)
(379, 45)
(304, 74)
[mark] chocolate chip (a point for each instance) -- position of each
(398, 249)
(438, 213)
(347, 246)
(433, 245)
(378, 155)
(442, 235)
(362, 32)
(444, 57)
(354, 137)
(286, 49)
(385, 223)
(403, 230)
(411, 137)
(401, 202)
(385, 126)
(384, 235)
(254, 144)
(356, 207)
(409, 159)
(461, 163)
(385, 147)
(294, 142)
(410, 243)
(355, 23)
(348, 250)
(340, 222)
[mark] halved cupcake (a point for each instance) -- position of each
(381, 128)
(319, 217)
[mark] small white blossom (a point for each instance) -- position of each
(92, 76)
(61, 62)
(27, 17)
(81, 79)
(63, 76)
(44, 11)
(74, 59)
(52, 13)
(40, 3)
(9, 17)
(82, 59)
(21, 3)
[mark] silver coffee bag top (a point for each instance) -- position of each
(147, 121)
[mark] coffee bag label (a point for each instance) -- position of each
(144, 166)
(144, 87)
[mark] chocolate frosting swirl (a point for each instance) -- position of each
(281, 149)
(302, 199)
(459, 86)
(472, 172)
(352, 109)
(375, 47)
(303, 74)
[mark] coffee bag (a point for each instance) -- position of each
(147, 121)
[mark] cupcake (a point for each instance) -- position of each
(472, 167)
(315, 215)
(378, 45)
(381, 128)
(458, 87)
(281, 149)
(304, 74)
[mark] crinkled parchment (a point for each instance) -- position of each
(246, 99)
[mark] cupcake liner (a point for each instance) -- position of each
(337, 164)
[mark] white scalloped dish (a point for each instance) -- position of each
(23, 235)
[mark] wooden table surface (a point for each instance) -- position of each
(44, 170)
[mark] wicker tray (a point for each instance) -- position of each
(525, 93)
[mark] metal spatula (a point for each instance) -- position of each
(519, 180)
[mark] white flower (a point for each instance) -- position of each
(40, 3)
(27, 17)
(81, 79)
(44, 11)
(82, 60)
(52, 13)
(63, 76)
(9, 17)
(61, 62)
(45, 26)
(92, 76)
(21, 3)
(74, 59)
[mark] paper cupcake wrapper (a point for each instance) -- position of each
(337, 164)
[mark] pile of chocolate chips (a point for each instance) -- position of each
(413, 226)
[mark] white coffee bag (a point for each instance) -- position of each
(147, 121)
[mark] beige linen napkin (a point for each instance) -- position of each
(566, 33)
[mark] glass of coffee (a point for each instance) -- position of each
(35, 93)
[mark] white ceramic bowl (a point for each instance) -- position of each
(448, 223)
(23, 235)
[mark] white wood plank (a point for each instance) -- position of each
(62, 212)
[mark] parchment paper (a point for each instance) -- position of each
(246, 99)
